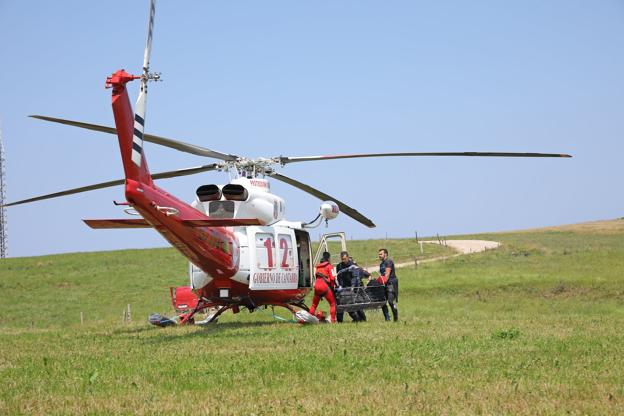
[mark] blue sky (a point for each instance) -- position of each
(305, 78)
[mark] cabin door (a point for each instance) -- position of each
(304, 253)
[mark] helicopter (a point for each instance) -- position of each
(243, 252)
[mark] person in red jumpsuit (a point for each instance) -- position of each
(324, 286)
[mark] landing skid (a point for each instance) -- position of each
(188, 318)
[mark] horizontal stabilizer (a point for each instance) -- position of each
(120, 223)
(141, 223)
(222, 222)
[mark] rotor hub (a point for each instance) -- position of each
(260, 166)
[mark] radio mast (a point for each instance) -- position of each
(3, 217)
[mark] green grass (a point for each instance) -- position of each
(534, 327)
(365, 252)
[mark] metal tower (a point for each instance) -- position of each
(3, 217)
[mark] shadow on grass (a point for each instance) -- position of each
(221, 330)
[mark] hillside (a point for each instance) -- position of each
(101, 285)
(532, 327)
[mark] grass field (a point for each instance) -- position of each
(534, 327)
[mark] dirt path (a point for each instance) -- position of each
(462, 246)
(469, 246)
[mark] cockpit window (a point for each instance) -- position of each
(221, 209)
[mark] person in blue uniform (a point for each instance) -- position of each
(388, 278)
(350, 274)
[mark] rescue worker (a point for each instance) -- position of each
(326, 267)
(388, 278)
(350, 274)
(324, 286)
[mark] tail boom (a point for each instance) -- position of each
(215, 250)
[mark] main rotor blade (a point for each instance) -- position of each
(161, 175)
(186, 171)
(163, 141)
(287, 159)
(351, 212)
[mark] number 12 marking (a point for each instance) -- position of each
(268, 243)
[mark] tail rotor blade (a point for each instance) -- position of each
(140, 107)
(351, 212)
(148, 43)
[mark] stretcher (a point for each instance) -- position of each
(351, 299)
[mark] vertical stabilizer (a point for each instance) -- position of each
(131, 126)
(130, 138)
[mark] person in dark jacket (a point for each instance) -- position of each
(387, 277)
(350, 274)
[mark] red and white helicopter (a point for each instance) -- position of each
(242, 250)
